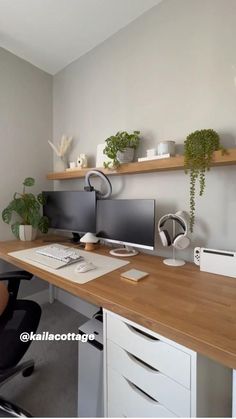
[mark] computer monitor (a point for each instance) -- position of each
(73, 211)
(130, 222)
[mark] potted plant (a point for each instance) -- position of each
(120, 148)
(27, 206)
(199, 147)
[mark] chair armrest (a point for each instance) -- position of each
(14, 278)
(7, 276)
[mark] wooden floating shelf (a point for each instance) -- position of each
(172, 163)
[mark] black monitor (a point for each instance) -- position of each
(73, 211)
(130, 222)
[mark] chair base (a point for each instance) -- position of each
(26, 368)
(8, 409)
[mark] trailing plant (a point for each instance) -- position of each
(27, 206)
(198, 154)
(119, 142)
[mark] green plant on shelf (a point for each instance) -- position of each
(118, 143)
(199, 147)
(27, 207)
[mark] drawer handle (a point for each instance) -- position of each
(141, 333)
(143, 364)
(140, 392)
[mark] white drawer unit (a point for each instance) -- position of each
(148, 375)
(164, 357)
(132, 401)
(234, 394)
(115, 411)
(160, 387)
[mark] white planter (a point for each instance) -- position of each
(125, 156)
(27, 233)
(166, 147)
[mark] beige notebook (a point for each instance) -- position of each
(134, 275)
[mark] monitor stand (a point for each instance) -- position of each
(75, 238)
(124, 252)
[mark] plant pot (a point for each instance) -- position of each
(125, 156)
(27, 233)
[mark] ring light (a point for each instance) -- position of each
(106, 181)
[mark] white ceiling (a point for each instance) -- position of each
(52, 33)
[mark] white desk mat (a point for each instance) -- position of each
(104, 264)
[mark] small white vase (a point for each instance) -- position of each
(61, 164)
(125, 156)
(27, 233)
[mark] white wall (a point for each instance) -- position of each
(170, 72)
(25, 128)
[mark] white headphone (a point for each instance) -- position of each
(181, 240)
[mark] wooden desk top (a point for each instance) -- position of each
(194, 308)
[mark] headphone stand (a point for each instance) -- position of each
(124, 252)
(173, 261)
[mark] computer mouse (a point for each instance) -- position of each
(84, 267)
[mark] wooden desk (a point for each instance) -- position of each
(193, 308)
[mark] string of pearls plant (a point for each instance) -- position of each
(199, 147)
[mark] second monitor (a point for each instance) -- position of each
(130, 222)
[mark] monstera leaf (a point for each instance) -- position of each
(15, 229)
(43, 224)
(6, 215)
(29, 181)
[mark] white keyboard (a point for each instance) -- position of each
(56, 256)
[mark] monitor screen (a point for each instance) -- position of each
(71, 210)
(127, 221)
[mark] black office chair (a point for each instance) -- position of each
(18, 317)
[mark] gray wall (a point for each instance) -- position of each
(168, 73)
(25, 128)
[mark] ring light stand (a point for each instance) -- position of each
(173, 261)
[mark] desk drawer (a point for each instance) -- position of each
(115, 410)
(163, 357)
(131, 400)
(169, 393)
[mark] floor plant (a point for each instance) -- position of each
(27, 207)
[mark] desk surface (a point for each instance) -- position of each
(194, 308)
